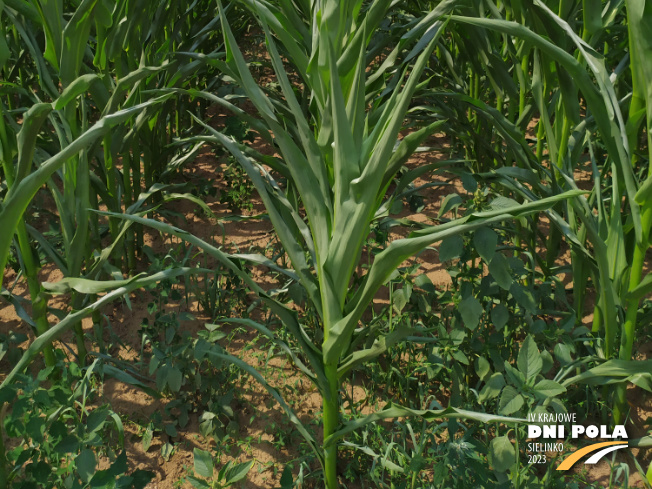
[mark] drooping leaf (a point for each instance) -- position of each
(85, 463)
(492, 388)
(529, 359)
(510, 401)
(548, 388)
(287, 480)
(485, 241)
(471, 311)
(451, 248)
(562, 354)
(500, 316)
(451, 201)
(501, 453)
(203, 462)
(524, 297)
(174, 379)
(482, 367)
(79, 86)
(72, 318)
(238, 472)
(394, 411)
(500, 271)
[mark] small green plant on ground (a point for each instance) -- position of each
(55, 435)
(205, 476)
(238, 189)
(184, 369)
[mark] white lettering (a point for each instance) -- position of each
(533, 431)
(592, 431)
(619, 431)
(577, 430)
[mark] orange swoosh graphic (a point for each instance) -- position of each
(570, 460)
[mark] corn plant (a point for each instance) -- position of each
(640, 120)
(102, 84)
(169, 50)
(339, 160)
(609, 230)
(54, 142)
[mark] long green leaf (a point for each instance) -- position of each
(394, 411)
(73, 318)
(21, 194)
(399, 250)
